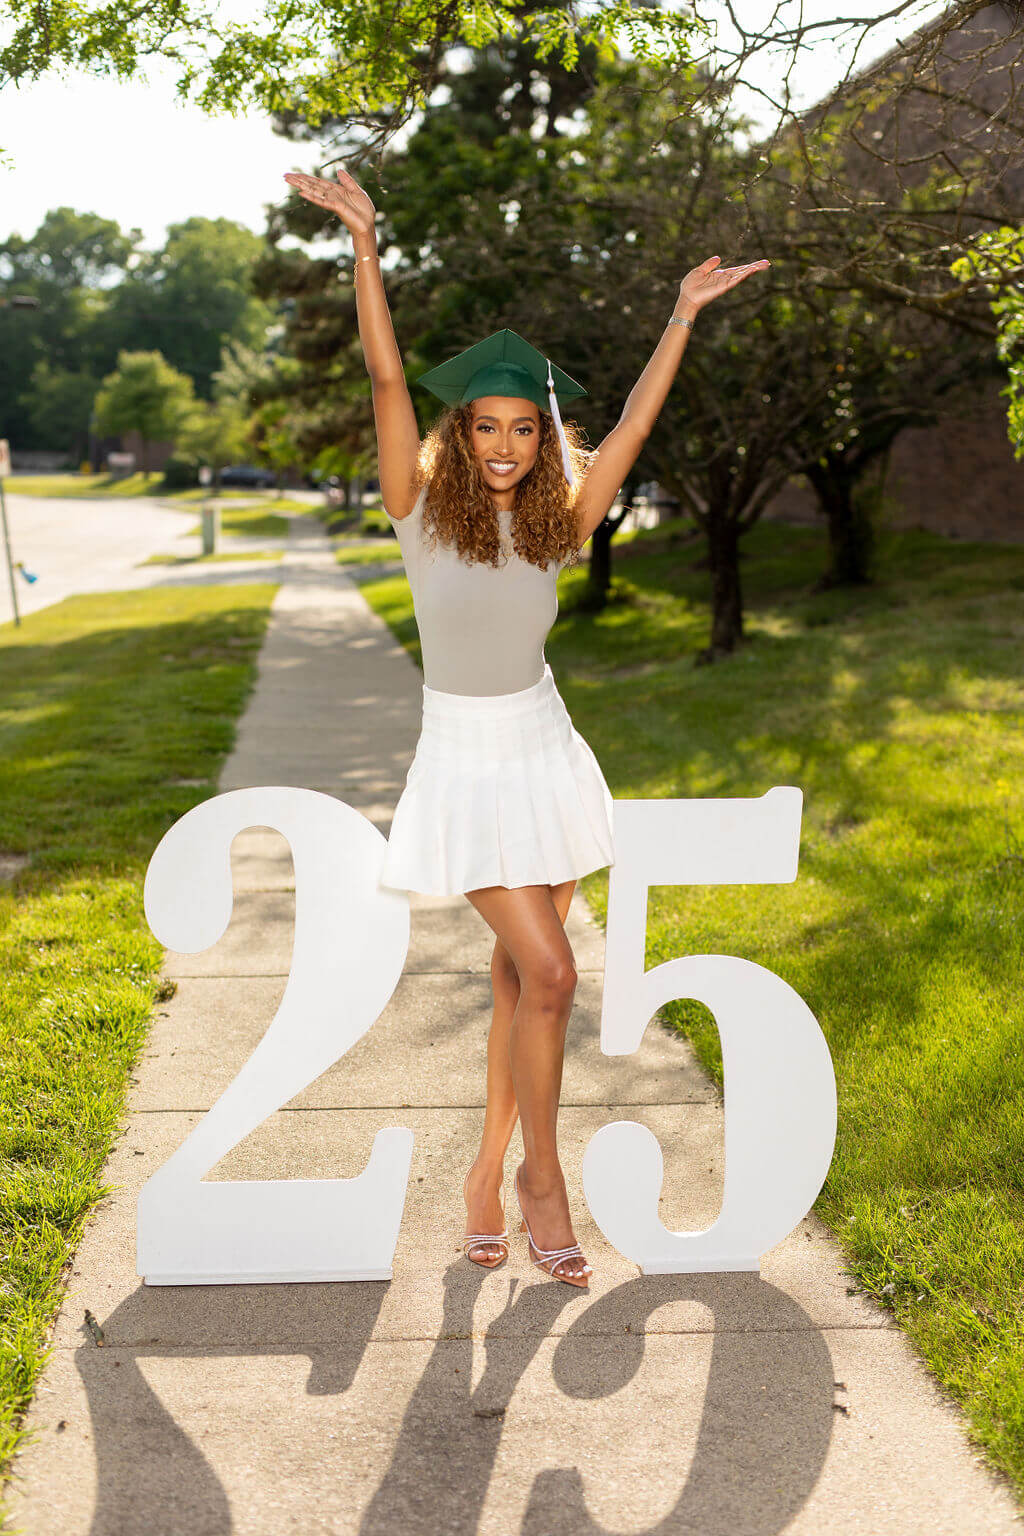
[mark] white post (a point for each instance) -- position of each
(5, 469)
(208, 519)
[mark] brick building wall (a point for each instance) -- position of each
(959, 478)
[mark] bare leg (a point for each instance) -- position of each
(486, 1176)
(531, 928)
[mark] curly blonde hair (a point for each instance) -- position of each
(459, 510)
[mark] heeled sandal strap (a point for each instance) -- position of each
(478, 1239)
(556, 1257)
(559, 1253)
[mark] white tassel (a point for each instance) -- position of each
(566, 460)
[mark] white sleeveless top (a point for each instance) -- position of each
(482, 627)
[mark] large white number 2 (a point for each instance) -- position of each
(780, 1089)
(350, 943)
(351, 940)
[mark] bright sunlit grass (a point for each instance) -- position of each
(116, 712)
(899, 711)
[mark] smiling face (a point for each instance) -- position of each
(505, 435)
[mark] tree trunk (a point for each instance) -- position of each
(594, 597)
(850, 531)
(726, 593)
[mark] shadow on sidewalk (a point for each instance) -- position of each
(765, 1424)
(151, 1476)
(765, 1427)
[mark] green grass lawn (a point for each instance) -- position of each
(899, 711)
(116, 712)
(73, 484)
(251, 554)
(104, 484)
(251, 522)
(377, 552)
(370, 521)
(264, 499)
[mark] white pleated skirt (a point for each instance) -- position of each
(502, 790)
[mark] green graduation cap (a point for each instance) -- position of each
(505, 364)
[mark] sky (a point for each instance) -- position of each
(135, 153)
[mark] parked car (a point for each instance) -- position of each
(249, 475)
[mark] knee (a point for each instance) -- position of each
(552, 981)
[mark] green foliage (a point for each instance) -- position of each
(996, 261)
(215, 433)
(321, 60)
(59, 403)
(65, 265)
(146, 395)
(68, 251)
(191, 296)
(181, 471)
(318, 59)
(99, 295)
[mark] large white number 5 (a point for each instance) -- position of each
(351, 940)
(780, 1090)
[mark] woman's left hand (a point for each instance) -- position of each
(707, 281)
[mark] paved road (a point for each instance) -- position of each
(76, 545)
(450, 1401)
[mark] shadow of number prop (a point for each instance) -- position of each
(779, 1085)
(350, 943)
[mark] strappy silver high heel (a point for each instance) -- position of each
(479, 1239)
(553, 1256)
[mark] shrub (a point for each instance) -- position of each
(180, 472)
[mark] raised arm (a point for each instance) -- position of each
(621, 448)
(398, 438)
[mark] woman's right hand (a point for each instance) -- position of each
(347, 199)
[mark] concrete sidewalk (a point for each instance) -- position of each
(452, 1400)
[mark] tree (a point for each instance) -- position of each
(217, 433)
(495, 138)
(59, 403)
(375, 63)
(998, 255)
(146, 395)
(821, 375)
(875, 369)
(64, 264)
(69, 250)
(580, 239)
(186, 299)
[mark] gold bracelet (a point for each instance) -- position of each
(681, 320)
(365, 258)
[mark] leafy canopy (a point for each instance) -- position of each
(320, 59)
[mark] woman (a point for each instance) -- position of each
(504, 800)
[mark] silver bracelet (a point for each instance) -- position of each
(681, 320)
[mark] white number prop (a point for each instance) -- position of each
(780, 1091)
(350, 943)
(351, 940)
